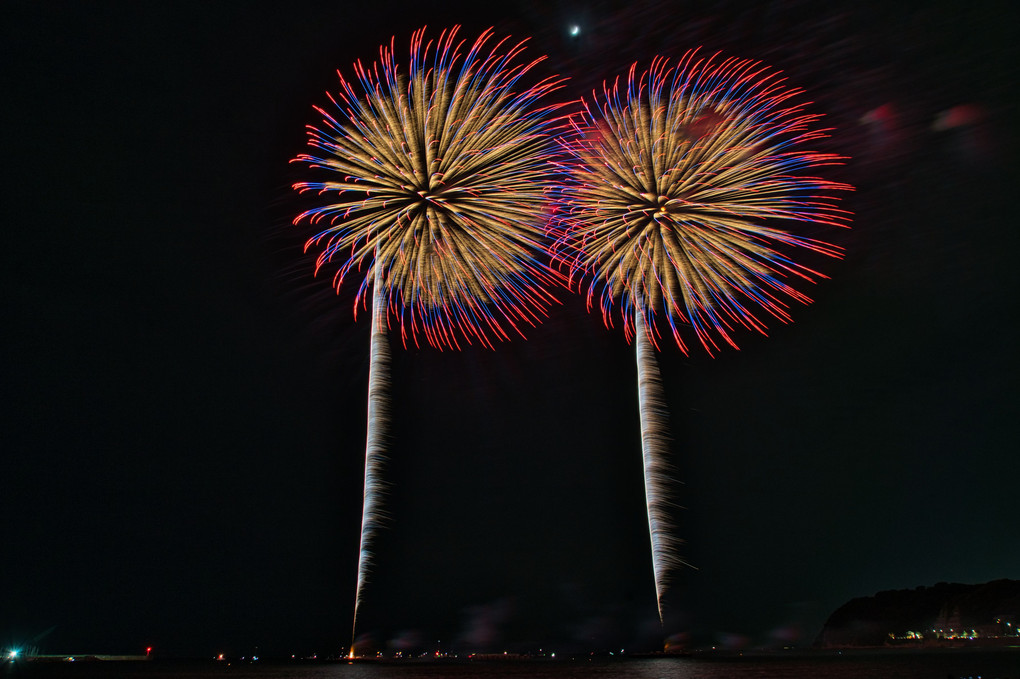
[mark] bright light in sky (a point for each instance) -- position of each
(575, 29)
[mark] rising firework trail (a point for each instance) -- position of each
(433, 180)
(372, 514)
(677, 192)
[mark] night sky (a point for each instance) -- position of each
(183, 403)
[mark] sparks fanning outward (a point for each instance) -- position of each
(439, 179)
(676, 192)
(436, 192)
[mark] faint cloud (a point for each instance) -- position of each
(406, 640)
(482, 626)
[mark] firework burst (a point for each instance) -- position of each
(435, 190)
(439, 179)
(675, 191)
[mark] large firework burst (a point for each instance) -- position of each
(440, 178)
(675, 191)
(436, 191)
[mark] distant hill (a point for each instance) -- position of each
(946, 614)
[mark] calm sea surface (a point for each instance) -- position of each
(900, 665)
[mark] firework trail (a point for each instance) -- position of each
(434, 180)
(654, 448)
(378, 419)
(674, 190)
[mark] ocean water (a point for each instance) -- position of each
(1003, 664)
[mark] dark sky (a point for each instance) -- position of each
(183, 404)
